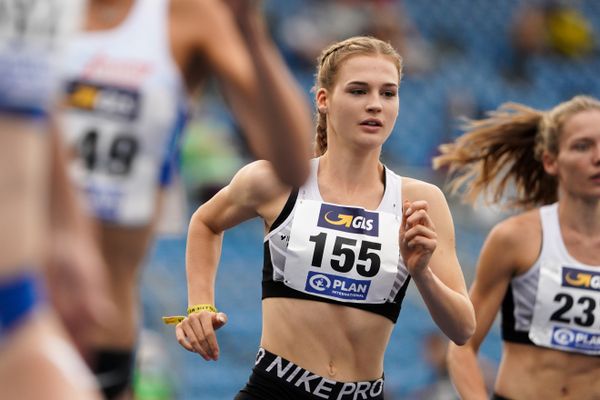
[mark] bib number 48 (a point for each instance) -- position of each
(344, 256)
(121, 153)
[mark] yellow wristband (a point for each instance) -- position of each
(173, 320)
(201, 307)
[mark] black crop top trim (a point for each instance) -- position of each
(287, 209)
(509, 333)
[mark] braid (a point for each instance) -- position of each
(321, 136)
(323, 57)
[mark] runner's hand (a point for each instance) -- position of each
(418, 238)
(196, 333)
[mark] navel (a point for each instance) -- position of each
(331, 370)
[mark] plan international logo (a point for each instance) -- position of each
(337, 286)
(576, 339)
(580, 279)
(349, 219)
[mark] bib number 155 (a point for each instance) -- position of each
(344, 255)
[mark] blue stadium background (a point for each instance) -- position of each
(464, 63)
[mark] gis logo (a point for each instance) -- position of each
(581, 279)
(107, 100)
(349, 219)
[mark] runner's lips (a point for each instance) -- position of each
(371, 122)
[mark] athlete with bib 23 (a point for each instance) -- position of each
(540, 267)
(339, 251)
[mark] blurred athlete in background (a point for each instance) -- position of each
(129, 80)
(39, 217)
(541, 268)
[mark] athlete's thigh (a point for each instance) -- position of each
(32, 34)
(23, 187)
(38, 362)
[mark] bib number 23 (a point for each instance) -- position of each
(567, 302)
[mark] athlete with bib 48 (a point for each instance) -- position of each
(339, 251)
(131, 77)
(543, 265)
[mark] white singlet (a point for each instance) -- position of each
(126, 107)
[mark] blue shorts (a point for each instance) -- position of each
(275, 378)
(18, 297)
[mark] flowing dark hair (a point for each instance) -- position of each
(507, 146)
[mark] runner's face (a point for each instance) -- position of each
(577, 164)
(363, 104)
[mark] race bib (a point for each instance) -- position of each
(111, 163)
(343, 253)
(567, 309)
(33, 35)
